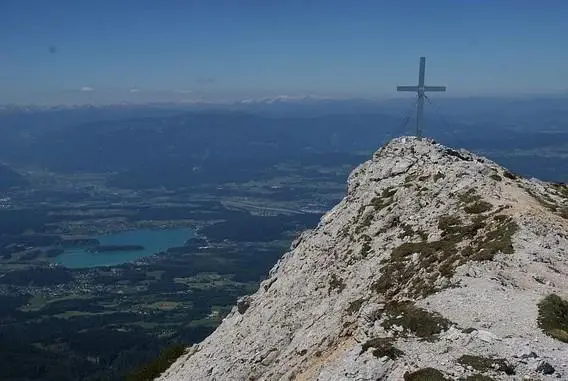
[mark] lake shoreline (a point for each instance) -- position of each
(124, 247)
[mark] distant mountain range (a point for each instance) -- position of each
(165, 139)
(286, 105)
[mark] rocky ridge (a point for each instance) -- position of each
(432, 267)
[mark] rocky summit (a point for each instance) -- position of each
(437, 265)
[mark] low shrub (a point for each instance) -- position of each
(478, 207)
(448, 223)
(423, 324)
(407, 231)
(439, 176)
(485, 364)
(425, 374)
(382, 346)
(553, 317)
(417, 276)
(469, 196)
(388, 192)
(355, 306)
(496, 177)
(336, 283)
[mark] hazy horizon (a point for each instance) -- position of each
(282, 98)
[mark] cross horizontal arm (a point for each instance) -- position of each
(434, 88)
(407, 88)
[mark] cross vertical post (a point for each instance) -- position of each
(421, 91)
(420, 106)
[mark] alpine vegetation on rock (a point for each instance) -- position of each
(437, 265)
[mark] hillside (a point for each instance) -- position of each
(437, 265)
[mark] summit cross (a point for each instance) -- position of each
(421, 90)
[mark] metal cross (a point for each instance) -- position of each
(420, 89)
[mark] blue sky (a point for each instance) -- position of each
(105, 51)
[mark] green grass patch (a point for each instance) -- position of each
(474, 203)
(486, 364)
(498, 239)
(417, 276)
(478, 207)
(553, 317)
(38, 302)
(469, 197)
(449, 224)
(425, 249)
(417, 321)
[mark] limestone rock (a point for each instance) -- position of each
(243, 304)
(435, 258)
(545, 368)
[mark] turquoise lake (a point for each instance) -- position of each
(153, 241)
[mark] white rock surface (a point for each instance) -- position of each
(303, 324)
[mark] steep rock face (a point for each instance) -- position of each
(436, 258)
